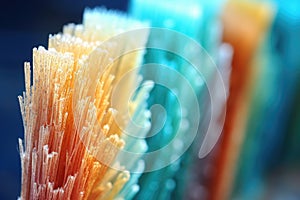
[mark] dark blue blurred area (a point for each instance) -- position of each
(24, 25)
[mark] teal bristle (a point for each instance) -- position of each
(199, 21)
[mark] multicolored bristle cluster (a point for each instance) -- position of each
(73, 129)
